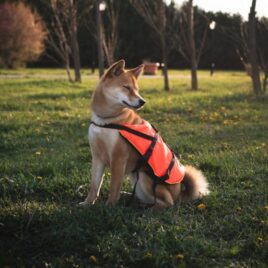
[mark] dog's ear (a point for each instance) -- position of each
(137, 71)
(115, 69)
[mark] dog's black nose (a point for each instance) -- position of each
(141, 102)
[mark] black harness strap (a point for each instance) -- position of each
(134, 189)
(122, 127)
(149, 151)
(163, 178)
(171, 164)
(144, 158)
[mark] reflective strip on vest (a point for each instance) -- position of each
(161, 155)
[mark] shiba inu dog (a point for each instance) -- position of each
(115, 101)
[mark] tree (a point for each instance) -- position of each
(99, 38)
(57, 37)
(252, 45)
(62, 33)
(158, 16)
(102, 22)
(251, 54)
(186, 39)
(74, 41)
(111, 29)
(22, 35)
(190, 19)
(262, 39)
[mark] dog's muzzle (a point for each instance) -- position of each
(141, 102)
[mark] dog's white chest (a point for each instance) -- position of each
(107, 137)
(94, 131)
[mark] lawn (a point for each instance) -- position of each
(45, 171)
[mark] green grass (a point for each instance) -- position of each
(45, 171)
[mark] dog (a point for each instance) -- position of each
(115, 101)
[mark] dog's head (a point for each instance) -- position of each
(120, 87)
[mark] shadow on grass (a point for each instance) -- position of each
(65, 235)
(45, 173)
(52, 96)
(39, 83)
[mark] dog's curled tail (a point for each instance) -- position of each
(195, 183)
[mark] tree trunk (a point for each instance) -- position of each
(194, 79)
(67, 68)
(165, 61)
(75, 46)
(264, 83)
(109, 52)
(253, 50)
(190, 17)
(99, 38)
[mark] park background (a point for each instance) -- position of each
(219, 126)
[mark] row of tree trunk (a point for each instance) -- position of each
(156, 14)
(187, 45)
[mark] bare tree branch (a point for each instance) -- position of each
(62, 37)
(110, 26)
(157, 15)
(203, 40)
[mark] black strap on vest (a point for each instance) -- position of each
(144, 158)
(171, 164)
(122, 127)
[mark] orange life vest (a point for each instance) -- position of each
(164, 166)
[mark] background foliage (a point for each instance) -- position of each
(138, 41)
(22, 35)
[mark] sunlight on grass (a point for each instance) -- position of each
(45, 171)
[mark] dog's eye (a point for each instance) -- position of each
(127, 87)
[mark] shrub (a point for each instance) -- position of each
(22, 35)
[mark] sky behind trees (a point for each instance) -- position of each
(232, 6)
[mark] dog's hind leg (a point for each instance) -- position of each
(96, 181)
(164, 200)
(143, 190)
(160, 199)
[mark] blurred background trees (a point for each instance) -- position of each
(61, 21)
(191, 33)
(22, 34)
(249, 43)
(160, 17)
(157, 31)
(137, 41)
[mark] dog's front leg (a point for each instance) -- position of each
(117, 175)
(96, 181)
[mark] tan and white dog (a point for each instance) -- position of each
(115, 100)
